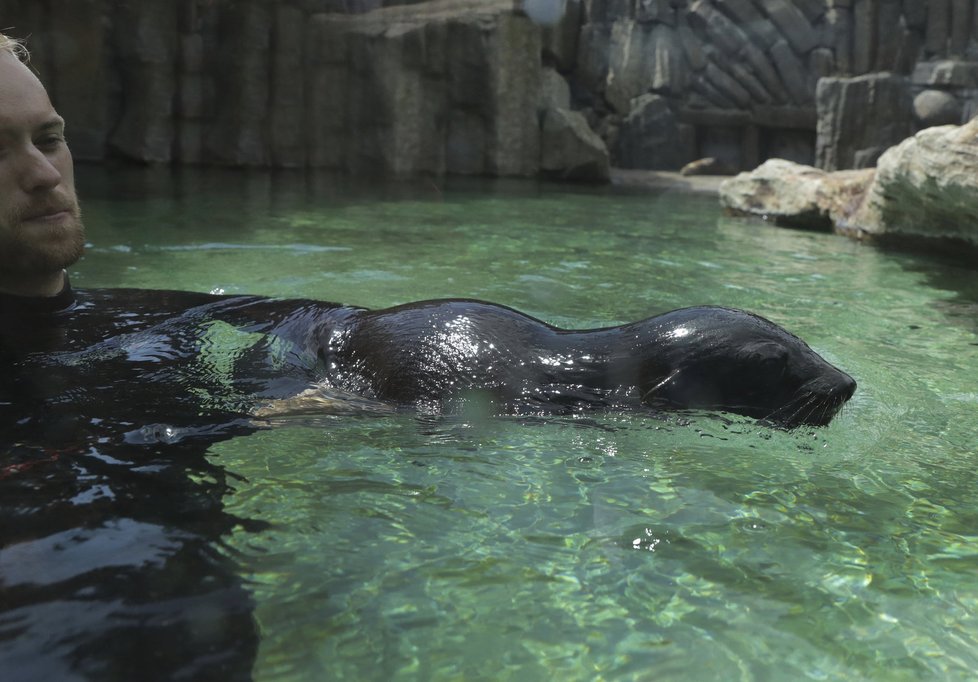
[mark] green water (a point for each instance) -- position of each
(611, 547)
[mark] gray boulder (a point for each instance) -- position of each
(570, 150)
(650, 137)
(859, 118)
(936, 108)
(555, 90)
(433, 88)
(795, 195)
(927, 186)
(643, 57)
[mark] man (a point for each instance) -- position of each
(71, 488)
(41, 231)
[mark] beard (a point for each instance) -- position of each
(29, 249)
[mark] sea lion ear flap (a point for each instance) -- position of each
(763, 351)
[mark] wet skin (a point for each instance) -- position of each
(704, 358)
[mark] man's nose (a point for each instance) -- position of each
(38, 172)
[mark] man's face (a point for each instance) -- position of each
(40, 224)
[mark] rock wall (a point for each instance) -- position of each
(467, 86)
(738, 79)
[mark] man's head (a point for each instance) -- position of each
(40, 224)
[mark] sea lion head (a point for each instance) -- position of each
(730, 360)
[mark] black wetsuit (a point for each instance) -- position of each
(110, 514)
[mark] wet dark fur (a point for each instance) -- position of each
(695, 358)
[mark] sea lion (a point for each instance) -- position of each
(429, 353)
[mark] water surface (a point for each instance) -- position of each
(606, 546)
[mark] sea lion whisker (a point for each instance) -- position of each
(812, 404)
(672, 375)
(792, 412)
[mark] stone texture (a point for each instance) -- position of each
(729, 86)
(743, 75)
(766, 72)
(459, 86)
(792, 72)
(606, 11)
(746, 16)
(946, 73)
(795, 195)
(860, 117)
(392, 127)
(514, 84)
(692, 47)
(649, 137)
(146, 33)
(792, 24)
(864, 35)
(443, 92)
(326, 114)
(909, 46)
(960, 27)
(287, 110)
(80, 84)
(643, 58)
(570, 150)
(938, 27)
(889, 35)
(925, 187)
(627, 65)
(740, 53)
(821, 64)
(555, 92)
(710, 95)
(593, 56)
(716, 29)
(655, 11)
(839, 21)
(238, 135)
(466, 144)
(915, 12)
(812, 9)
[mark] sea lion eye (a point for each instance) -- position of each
(770, 359)
(775, 365)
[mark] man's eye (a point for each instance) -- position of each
(49, 141)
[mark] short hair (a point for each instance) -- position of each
(14, 47)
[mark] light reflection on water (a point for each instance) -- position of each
(613, 546)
